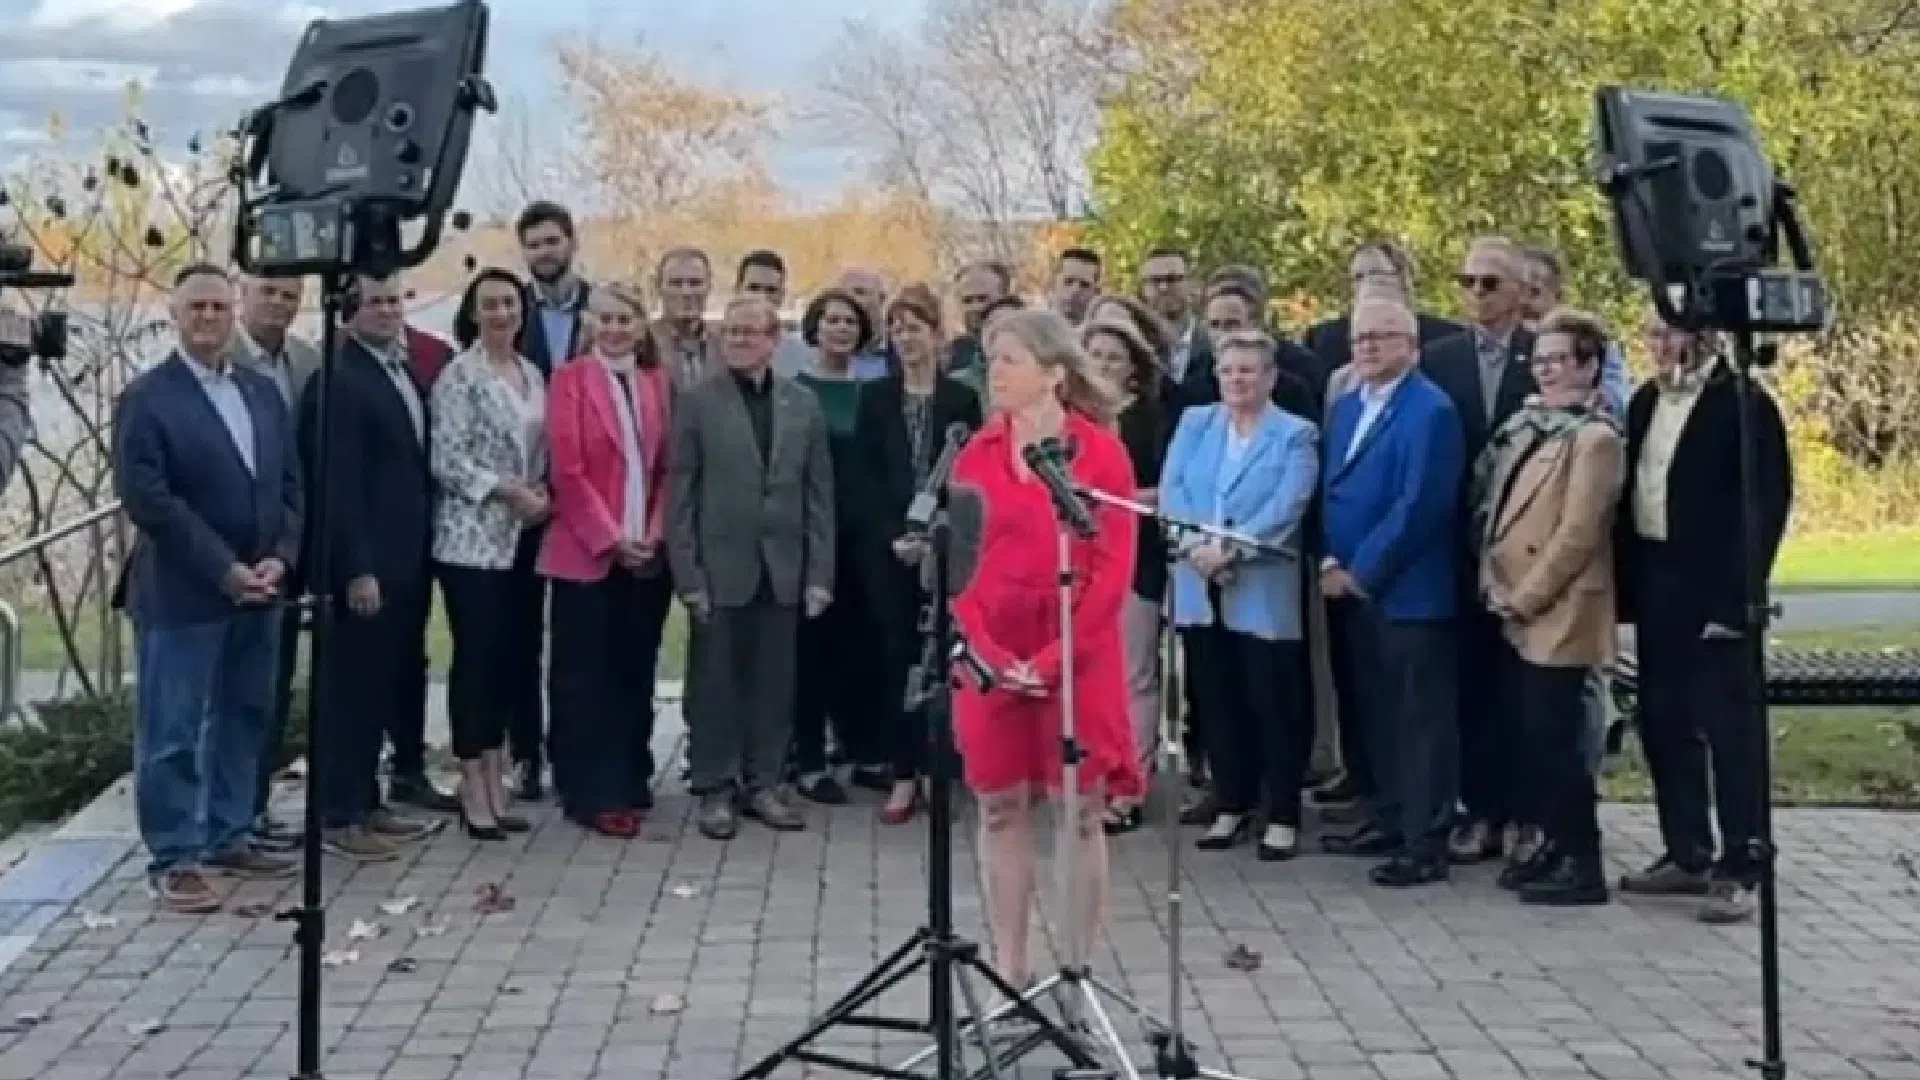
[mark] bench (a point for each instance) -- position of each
(1888, 678)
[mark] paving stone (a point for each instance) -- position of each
(1456, 982)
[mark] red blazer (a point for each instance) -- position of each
(590, 468)
(429, 354)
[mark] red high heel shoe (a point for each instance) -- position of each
(617, 824)
(900, 815)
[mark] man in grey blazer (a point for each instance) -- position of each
(264, 342)
(750, 540)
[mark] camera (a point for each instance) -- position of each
(45, 334)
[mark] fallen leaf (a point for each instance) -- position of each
(90, 920)
(432, 929)
(362, 930)
(667, 1005)
(404, 965)
(399, 905)
(144, 1028)
(340, 958)
(491, 898)
(686, 891)
(254, 909)
(1241, 958)
(25, 1021)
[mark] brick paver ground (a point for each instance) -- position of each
(1355, 983)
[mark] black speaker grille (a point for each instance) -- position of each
(356, 96)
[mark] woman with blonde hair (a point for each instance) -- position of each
(1010, 735)
(608, 414)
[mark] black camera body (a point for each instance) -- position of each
(46, 332)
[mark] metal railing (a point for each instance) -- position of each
(12, 647)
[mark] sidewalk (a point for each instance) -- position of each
(675, 958)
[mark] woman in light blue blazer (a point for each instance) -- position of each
(1244, 464)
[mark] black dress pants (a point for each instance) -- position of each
(493, 683)
(838, 653)
(1250, 697)
(527, 717)
(374, 671)
(902, 731)
(292, 620)
(1560, 792)
(1355, 752)
(1699, 728)
(1490, 758)
(1408, 697)
(406, 726)
(606, 655)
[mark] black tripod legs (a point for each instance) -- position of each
(954, 962)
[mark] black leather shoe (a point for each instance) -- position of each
(1226, 831)
(418, 792)
(1365, 842)
(528, 786)
(1406, 871)
(1570, 883)
(1515, 876)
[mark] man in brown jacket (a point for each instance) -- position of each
(1549, 484)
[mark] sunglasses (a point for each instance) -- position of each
(1481, 282)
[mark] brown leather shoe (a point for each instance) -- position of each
(774, 812)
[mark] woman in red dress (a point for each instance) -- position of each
(1010, 737)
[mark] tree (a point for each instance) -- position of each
(987, 113)
(661, 151)
(1283, 131)
(522, 156)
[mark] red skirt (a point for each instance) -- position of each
(1008, 741)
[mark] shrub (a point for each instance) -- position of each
(63, 756)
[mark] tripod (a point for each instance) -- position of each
(310, 918)
(949, 959)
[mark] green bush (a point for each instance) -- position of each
(63, 756)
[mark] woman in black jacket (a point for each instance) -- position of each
(898, 432)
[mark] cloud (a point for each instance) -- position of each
(199, 64)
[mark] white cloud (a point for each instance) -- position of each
(119, 14)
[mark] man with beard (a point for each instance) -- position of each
(556, 331)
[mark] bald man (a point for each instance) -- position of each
(1391, 480)
(869, 287)
(750, 537)
(1488, 373)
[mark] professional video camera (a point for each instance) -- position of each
(46, 335)
(1699, 214)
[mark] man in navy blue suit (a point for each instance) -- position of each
(207, 469)
(378, 526)
(1391, 480)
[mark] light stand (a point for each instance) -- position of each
(1760, 850)
(310, 918)
(948, 958)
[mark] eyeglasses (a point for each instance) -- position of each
(1166, 281)
(1376, 338)
(1555, 359)
(1481, 282)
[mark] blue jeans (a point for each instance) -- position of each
(203, 709)
(1596, 698)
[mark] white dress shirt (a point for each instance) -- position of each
(223, 392)
(1373, 402)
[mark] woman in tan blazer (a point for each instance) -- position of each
(1548, 484)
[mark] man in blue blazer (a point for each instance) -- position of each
(206, 467)
(1391, 481)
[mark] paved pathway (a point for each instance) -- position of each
(1356, 983)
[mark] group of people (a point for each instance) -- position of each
(1464, 508)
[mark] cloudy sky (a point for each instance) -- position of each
(203, 62)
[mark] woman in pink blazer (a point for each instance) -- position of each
(607, 414)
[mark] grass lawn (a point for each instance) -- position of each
(1826, 756)
(1884, 559)
(42, 649)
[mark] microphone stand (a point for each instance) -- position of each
(948, 958)
(1173, 1052)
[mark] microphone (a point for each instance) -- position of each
(927, 500)
(1047, 460)
(966, 518)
